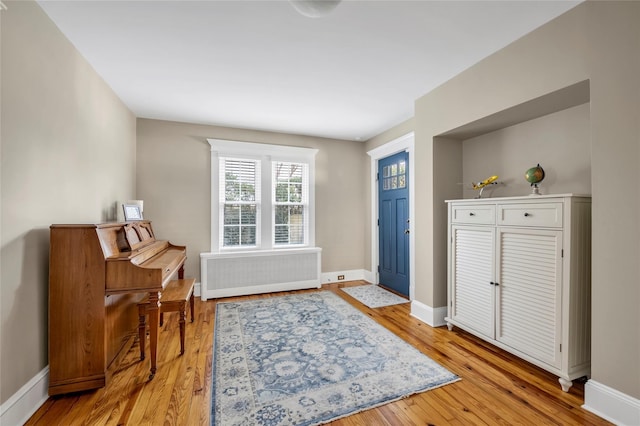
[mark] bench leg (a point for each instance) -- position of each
(191, 305)
(153, 309)
(142, 331)
(183, 314)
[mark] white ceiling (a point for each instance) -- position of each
(261, 65)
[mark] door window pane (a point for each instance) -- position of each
(394, 176)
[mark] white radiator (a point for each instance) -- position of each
(240, 273)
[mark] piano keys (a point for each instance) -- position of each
(97, 275)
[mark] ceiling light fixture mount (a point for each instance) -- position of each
(314, 8)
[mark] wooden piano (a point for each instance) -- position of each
(97, 275)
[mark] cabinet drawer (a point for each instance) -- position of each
(484, 214)
(540, 214)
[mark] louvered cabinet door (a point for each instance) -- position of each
(529, 277)
(472, 267)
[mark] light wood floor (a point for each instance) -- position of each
(496, 387)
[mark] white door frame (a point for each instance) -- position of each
(403, 143)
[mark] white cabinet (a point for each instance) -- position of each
(520, 277)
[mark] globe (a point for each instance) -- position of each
(534, 175)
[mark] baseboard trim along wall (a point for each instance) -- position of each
(20, 406)
(260, 289)
(431, 316)
(610, 404)
(338, 276)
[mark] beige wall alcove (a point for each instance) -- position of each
(548, 129)
(552, 130)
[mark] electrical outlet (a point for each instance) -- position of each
(340, 277)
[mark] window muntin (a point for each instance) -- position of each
(239, 202)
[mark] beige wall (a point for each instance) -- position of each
(614, 64)
(68, 153)
(560, 142)
(174, 180)
(596, 41)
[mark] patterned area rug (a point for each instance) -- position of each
(307, 359)
(374, 296)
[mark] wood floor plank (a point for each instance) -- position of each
(54, 408)
(200, 408)
(496, 388)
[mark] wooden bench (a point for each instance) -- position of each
(173, 298)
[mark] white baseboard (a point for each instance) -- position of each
(425, 313)
(20, 406)
(610, 404)
(352, 275)
(259, 289)
(370, 277)
(325, 278)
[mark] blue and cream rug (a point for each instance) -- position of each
(374, 296)
(307, 359)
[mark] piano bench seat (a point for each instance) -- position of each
(173, 298)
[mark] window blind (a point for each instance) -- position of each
(239, 202)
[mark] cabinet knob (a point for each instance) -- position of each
(527, 215)
(472, 214)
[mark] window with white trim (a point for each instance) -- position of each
(262, 196)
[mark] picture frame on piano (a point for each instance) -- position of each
(132, 212)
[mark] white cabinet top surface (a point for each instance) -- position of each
(517, 198)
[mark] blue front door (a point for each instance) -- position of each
(393, 222)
